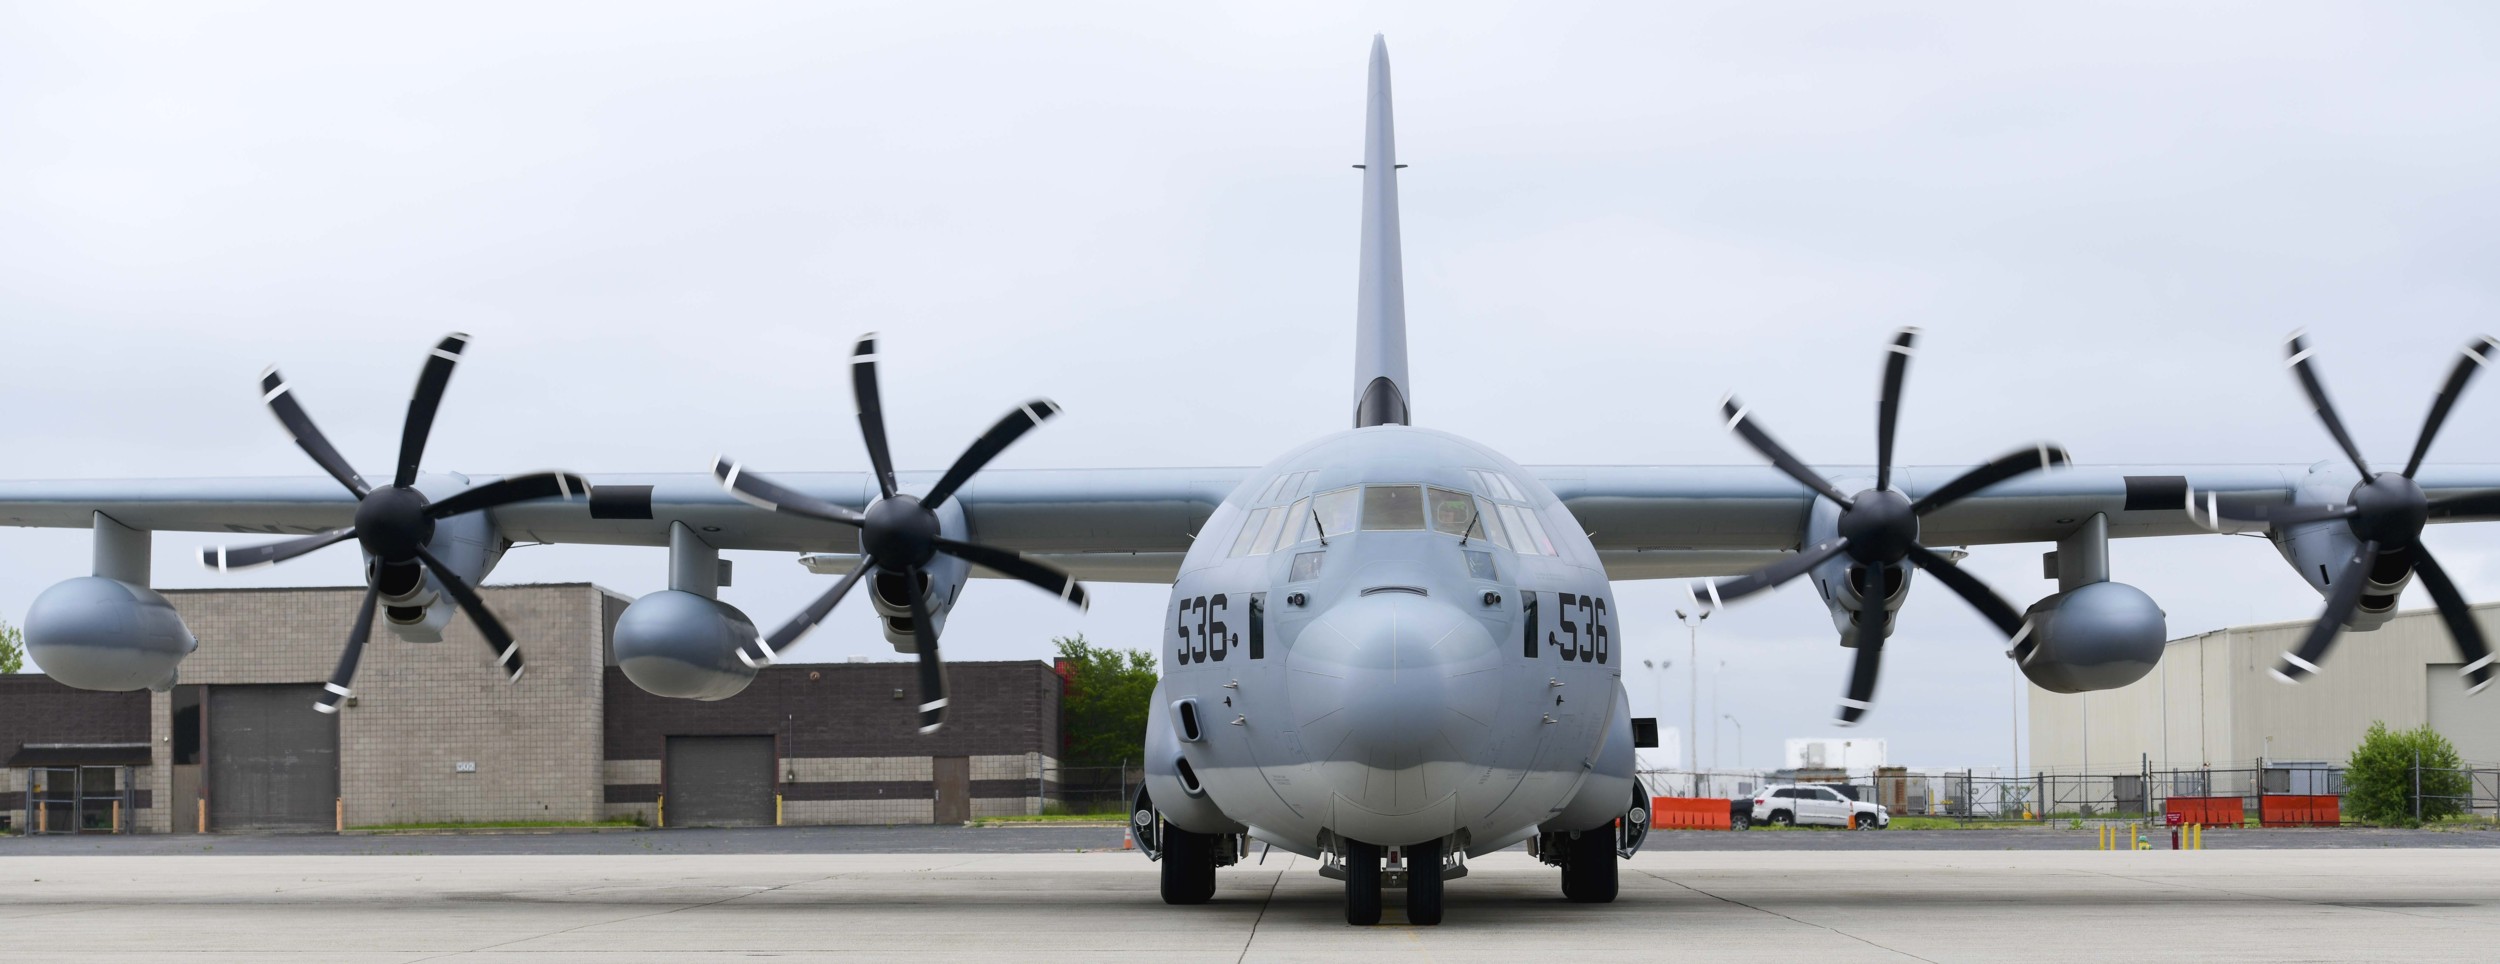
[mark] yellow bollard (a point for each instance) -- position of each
(660, 819)
(117, 816)
(203, 815)
(339, 817)
(2135, 837)
(776, 809)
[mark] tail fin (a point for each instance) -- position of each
(1380, 301)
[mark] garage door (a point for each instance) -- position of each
(720, 781)
(2470, 722)
(273, 762)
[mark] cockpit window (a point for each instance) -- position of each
(1286, 526)
(1393, 507)
(1489, 525)
(1242, 544)
(1268, 528)
(1452, 512)
(1496, 485)
(1526, 531)
(1331, 513)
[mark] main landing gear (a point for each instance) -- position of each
(1587, 857)
(1189, 858)
(1421, 870)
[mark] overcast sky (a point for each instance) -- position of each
(664, 224)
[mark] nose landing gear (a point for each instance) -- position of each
(1421, 868)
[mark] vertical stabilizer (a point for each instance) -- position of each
(1380, 395)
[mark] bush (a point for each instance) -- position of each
(2379, 779)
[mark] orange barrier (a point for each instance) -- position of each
(2299, 810)
(2207, 811)
(1688, 813)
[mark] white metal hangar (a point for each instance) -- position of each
(2214, 702)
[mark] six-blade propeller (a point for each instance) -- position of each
(395, 522)
(899, 532)
(2386, 512)
(1879, 530)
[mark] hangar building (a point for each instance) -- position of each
(435, 734)
(2214, 702)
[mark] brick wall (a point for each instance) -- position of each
(422, 707)
(851, 749)
(35, 709)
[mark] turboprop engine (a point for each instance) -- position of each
(2096, 637)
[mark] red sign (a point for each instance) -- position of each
(2174, 818)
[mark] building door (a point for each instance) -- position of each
(273, 762)
(720, 781)
(952, 777)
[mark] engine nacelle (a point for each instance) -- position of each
(1847, 588)
(890, 593)
(2320, 550)
(682, 645)
(96, 633)
(2096, 637)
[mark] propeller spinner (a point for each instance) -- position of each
(395, 522)
(1879, 529)
(899, 533)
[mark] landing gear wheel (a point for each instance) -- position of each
(1589, 867)
(1423, 883)
(1362, 883)
(1188, 866)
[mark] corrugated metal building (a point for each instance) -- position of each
(2214, 702)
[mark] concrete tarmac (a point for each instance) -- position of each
(1825, 906)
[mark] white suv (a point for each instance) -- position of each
(1812, 805)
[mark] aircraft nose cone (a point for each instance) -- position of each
(1393, 680)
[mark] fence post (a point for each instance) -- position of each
(2417, 786)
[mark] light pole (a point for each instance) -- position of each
(1740, 738)
(1692, 695)
(1658, 681)
(1714, 711)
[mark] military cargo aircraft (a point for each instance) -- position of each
(1390, 649)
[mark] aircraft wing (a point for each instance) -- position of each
(1117, 516)
(1652, 522)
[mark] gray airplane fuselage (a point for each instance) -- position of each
(1411, 641)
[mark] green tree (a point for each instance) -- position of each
(12, 648)
(1103, 715)
(2379, 779)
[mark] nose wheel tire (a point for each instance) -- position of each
(1189, 867)
(1362, 883)
(1588, 869)
(1423, 884)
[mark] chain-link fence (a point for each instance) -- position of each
(2143, 794)
(1090, 790)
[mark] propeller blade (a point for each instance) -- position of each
(230, 558)
(2474, 359)
(430, 384)
(2297, 353)
(337, 689)
(1010, 427)
(511, 489)
(1888, 404)
(1771, 449)
(1968, 586)
(1007, 563)
(2340, 602)
(2000, 469)
(755, 490)
(871, 411)
(499, 639)
(932, 671)
(1870, 659)
(280, 397)
(1773, 574)
(805, 620)
(2471, 505)
(2460, 618)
